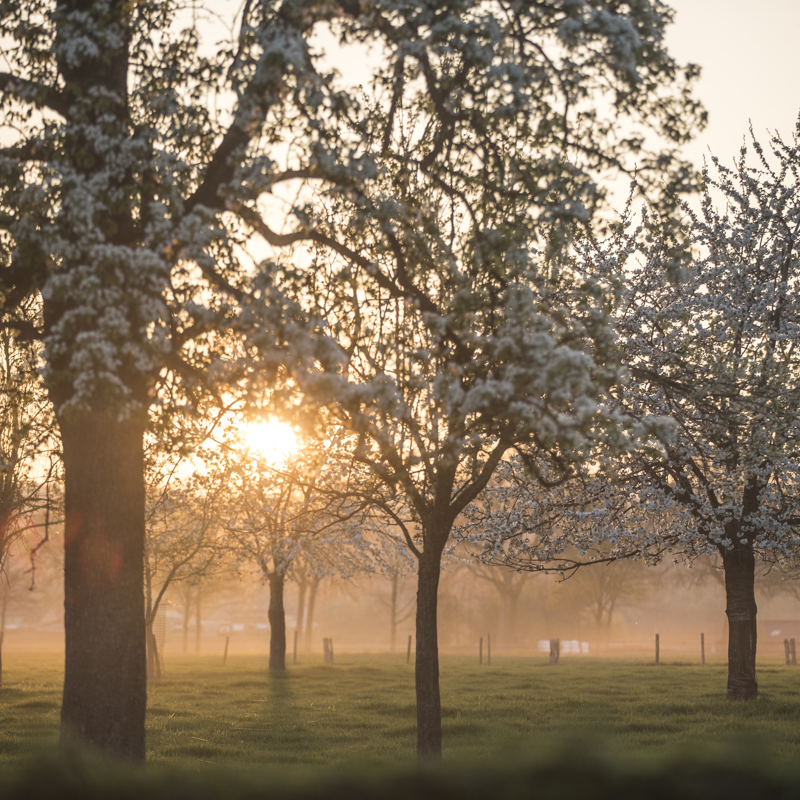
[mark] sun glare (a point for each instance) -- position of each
(273, 441)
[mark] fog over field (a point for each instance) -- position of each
(520, 612)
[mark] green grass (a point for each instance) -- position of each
(361, 710)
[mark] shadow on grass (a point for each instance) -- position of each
(736, 770)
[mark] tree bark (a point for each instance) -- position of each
(739, 565)
(277, 622)
(429, 708)
(105, 688)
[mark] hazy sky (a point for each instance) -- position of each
(750, 54)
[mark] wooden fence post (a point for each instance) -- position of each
(658, 649)
(555, 651)
(408, 652)
(793, 651)
(480, 650)
(327, 651)
(225, 654)
(294, 654)
(787, 652)
(702, 648)
(489, 648)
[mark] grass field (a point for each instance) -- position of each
(361, 710)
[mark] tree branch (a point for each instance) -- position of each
(41, 96)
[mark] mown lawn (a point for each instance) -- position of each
(361, 710)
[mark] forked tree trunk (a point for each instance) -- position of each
(277, 622)
(105, 691)
(739, 565)
(429, 707)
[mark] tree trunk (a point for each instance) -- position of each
(105, 687)
(187, 615)
(302, 588)
(429, 708)
(153, 656)
(312, 600)
(739, 565)
(277, 622)
(510, 621)
(149, 655)
(3, 630)
(393, 612)
(198, 619)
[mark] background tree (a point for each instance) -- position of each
(396, 566)
(136, 155)
(29, 448)
(299, 507)
(182, 544)
(508, 584)
(717, 353)
(461, 333)
(30, 466)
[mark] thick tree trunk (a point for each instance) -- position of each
(739, 565)
(429, 708)
(105, 690)
(277, 622)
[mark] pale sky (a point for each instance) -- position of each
(750, 54)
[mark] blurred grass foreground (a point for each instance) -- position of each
(591, 728)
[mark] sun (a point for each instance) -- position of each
(273, 440)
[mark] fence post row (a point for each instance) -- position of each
(793, 651)
(408, 652)
(658, 648)
(702, 648)
(787, 652)
(225, 654)
(555, 651)
(489, 648)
